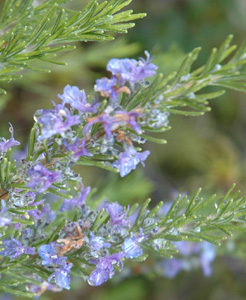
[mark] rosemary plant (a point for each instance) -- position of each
(42, 249)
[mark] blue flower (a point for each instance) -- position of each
(171, 267)
(62, 276)
(207, 256)
(129, 159)
(49, 255)
(113, 122)
(97, 243)
(132, 70)
(117, 214)
(123, 118)
(55, 121)
(41, 178)
(131, 246)
(69, 204)
(78, 148)
(107, 121)
(46, 214)
(107, 87)
(7, 144)
(77, 99)
(14, 248)
(105, 269)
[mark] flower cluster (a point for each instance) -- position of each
(82, 130)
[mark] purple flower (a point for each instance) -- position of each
(41, 178)
(5, 218)
(129, 159)
(105, 269)
(171, 267)
(77, 99)
(13, 248)
(69, 204)
(131, 246)
(107, 87)
(122, 118)
(55, 121)
(132, 70)
(207, 257)
(49, 254)
(107, 121)
(188, 248)
(78, 148)
(46, 214)
(97, 243)
(111, 123)
(6, 144)
(62, 276)
(117, 214)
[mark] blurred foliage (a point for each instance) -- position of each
(207, 151)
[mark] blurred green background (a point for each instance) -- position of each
(206, 151)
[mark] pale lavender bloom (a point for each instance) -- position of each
(46, 214)
(111, 123)
(99, 276)
(97, 243)
(77, 99)
(55, 121)
(129, 159)
(171, 267)
(107, 87)
(107, 121)
(207, 256)
(41, 178)
(7, 144)
(204, 250)
(122, 118)
(69, 204)
(132, 70)
(78, 148)
(105, 269)
(49, 254)
(117, 214)
(193, 254)
(131, 246)
(62, 276)
(14, 248)
(5, 218)
(188, 248)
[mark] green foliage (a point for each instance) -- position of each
(31, 31)
(180, 89)
(203, 218)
